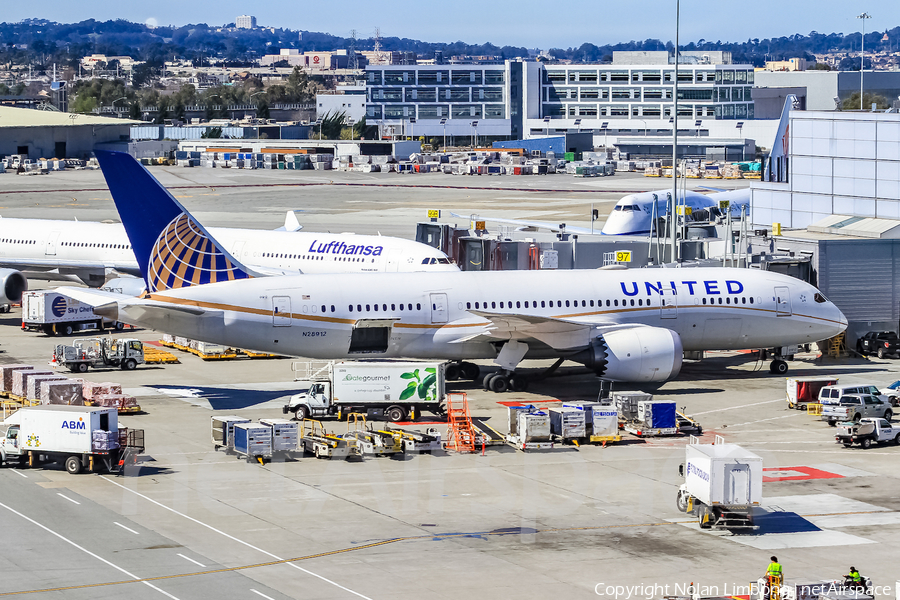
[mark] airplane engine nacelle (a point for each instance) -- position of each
(639, 354)
(12, 284)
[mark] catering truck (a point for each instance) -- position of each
(722, 485)
(79, 437)
(382, 389)
(54, 313)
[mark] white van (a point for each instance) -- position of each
(832, 394)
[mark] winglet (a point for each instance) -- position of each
(172, 249)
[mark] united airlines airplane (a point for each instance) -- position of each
(627, 325)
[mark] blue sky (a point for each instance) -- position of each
(534, 24)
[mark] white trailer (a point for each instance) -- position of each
(54, 313)
(80, 437)
(253, 441)
(722, 485)
(377, 389)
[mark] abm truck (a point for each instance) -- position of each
(78, 437)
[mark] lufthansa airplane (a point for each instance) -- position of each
(89, 251)
(628, 325)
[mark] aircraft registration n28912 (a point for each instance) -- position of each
(627, 325)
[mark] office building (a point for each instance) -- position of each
(245, 22)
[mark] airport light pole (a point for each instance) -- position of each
(350, 122)
(862, 56)
(444, 125)
(475, 134)
(672, 200)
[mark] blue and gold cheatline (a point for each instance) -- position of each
(184, 256)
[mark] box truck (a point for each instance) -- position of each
(54, 313)
(383, 389)
(79, 437)
(722, 485)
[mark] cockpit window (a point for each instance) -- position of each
(820, 298)
(426, 260)
(443, 261)
(617, 207)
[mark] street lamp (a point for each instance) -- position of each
(113, 103)
(319, 123)
(412, 121)
(444, 125)
(547, 125)
(862, 56)
(475, 139)
(698, 123)
(351, 121)
(578, 125)
(604, 128)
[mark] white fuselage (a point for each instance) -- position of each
(634, 214)
(428, 314)
(40, 244)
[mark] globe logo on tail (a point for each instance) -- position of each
(184, 255)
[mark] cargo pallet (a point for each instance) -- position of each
(122, 410)
(229, 354)
(515, 442)
(156, 356)
(640, 431)
(604, 439)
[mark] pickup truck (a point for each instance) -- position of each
(854, 407)
(866, 432)
(881, 343)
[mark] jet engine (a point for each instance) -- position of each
(638, 354)
(12, 284)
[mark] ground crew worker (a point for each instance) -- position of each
(774, 576)
(854, 578)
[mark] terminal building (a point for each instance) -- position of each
(630, 98)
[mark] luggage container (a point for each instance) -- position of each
(627, 403)
(568, 423)
(602, 420)
(253, 441)
(654, 418)
(222, 429)
(805, 390)
(285, 434)
(532, 430)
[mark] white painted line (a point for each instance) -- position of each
(126, 528)
(19, 474)
(88, 552)
(762, 421)
(261, 594)
(69, 499)
(192, 560)
(708, 412)
(231, 537)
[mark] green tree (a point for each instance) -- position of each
(852, 103)
(134, 111)
(83, 103)
(362, 130)
(262, 110)
(212, 133)
(332, 125)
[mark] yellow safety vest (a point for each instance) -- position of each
(774, 569)
(854, 575)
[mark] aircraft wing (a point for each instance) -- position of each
(113, 305)
(530, 225)
(561, 334)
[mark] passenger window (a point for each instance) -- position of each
(640, 302)
(526, 304)
(583, 303)
(542, 304)
(616, 302)
(518, 304)
(351, 308)
(567, 304)
(323, 308)
(607, 302)
(332, 308)
(559, 304)
(418, 307)
(468, 305)
(632, 301)
(501, 304)
(592, 303)
(476, 305)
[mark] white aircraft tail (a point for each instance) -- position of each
(776, 168)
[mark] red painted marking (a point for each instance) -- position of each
(540, 404)
(420, 423)
(804, 474)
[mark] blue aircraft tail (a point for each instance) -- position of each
(171, 247)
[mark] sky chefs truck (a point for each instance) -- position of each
(722, 484)
(79, 437)
(390, 390)
(54, 313)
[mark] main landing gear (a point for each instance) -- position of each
(779, 365)
(462, 370)
(503, 381)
